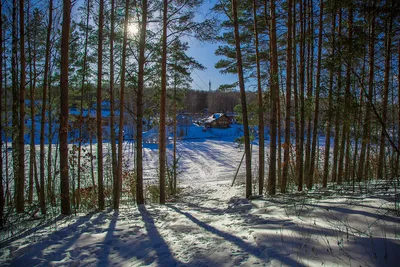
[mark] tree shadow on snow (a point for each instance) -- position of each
(248, 248)
(34, 254)
(164, 255)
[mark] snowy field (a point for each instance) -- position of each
(212, 224)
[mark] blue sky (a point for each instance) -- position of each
(204, 53)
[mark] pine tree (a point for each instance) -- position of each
(64, 110)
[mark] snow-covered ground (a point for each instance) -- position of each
(212, 224)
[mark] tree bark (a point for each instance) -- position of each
(239, 66)
(274, 93)
(317, 96)
(261, 154)
(2, 196)
(300, 170)
(289, 51)
(64, 111)
(100, 192)
(81, 118)
(139, 101)
(162, 133)
(118, 182)
(367, 121)
(43, 115)
(388, 47)
(114, 160)
(330, 108)
(21, 140)
(15, 96)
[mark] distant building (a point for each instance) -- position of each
(217, 120)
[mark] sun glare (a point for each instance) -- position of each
(132, 29)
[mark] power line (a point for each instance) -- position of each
(200, 78)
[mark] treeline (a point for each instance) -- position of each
(61, 54)
(319, 66)
(214, 101)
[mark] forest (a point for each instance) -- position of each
(317, 99)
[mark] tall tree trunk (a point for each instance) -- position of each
(398, 111)
(100, 185)
(295, 92)
(310, 68)
(32, 87)
(367, 121)
(261, 153)
(43, 117)
(64, 111)
(81, 118)
(340, 144)
(162, 134)
(317, 93)
(114, 160)
(2, 196)
(302, 104)
(21, 139)
(242, 99)
(346, 126)
(118, 181)
(336, 146)
(330, 108)
(50, 179)
(289, 51)
(15, 99)
(175, 132)
(139, 101)
(274, 93)
(388, 47)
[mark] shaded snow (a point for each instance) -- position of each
(212, 224)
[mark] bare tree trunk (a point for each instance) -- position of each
(43, 119)
(346, 116)
(161, 137)
(310, 66)
(15, 100)
(50, 179)
(336, 146)
(289, 51)
(367, 122)
(330, 108)
(21, 140)
(114, 160)
(317, 93)
(2, 196)
(261, 153)
(243, 99)
(175, 132)
(139, 101)
(295, 92)
(64, 111)
(100, 185)
(81, 118)
(274, 93)
(32, 87)
(302, 104)
(388, 47)
(118, 181)
(398, 122)
(7, 192)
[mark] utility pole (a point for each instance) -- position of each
(209, 85)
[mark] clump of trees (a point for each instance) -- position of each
(320, 68)
(324, 70)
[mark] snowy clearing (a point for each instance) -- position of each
(212, 224)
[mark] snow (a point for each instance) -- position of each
(212, 224)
